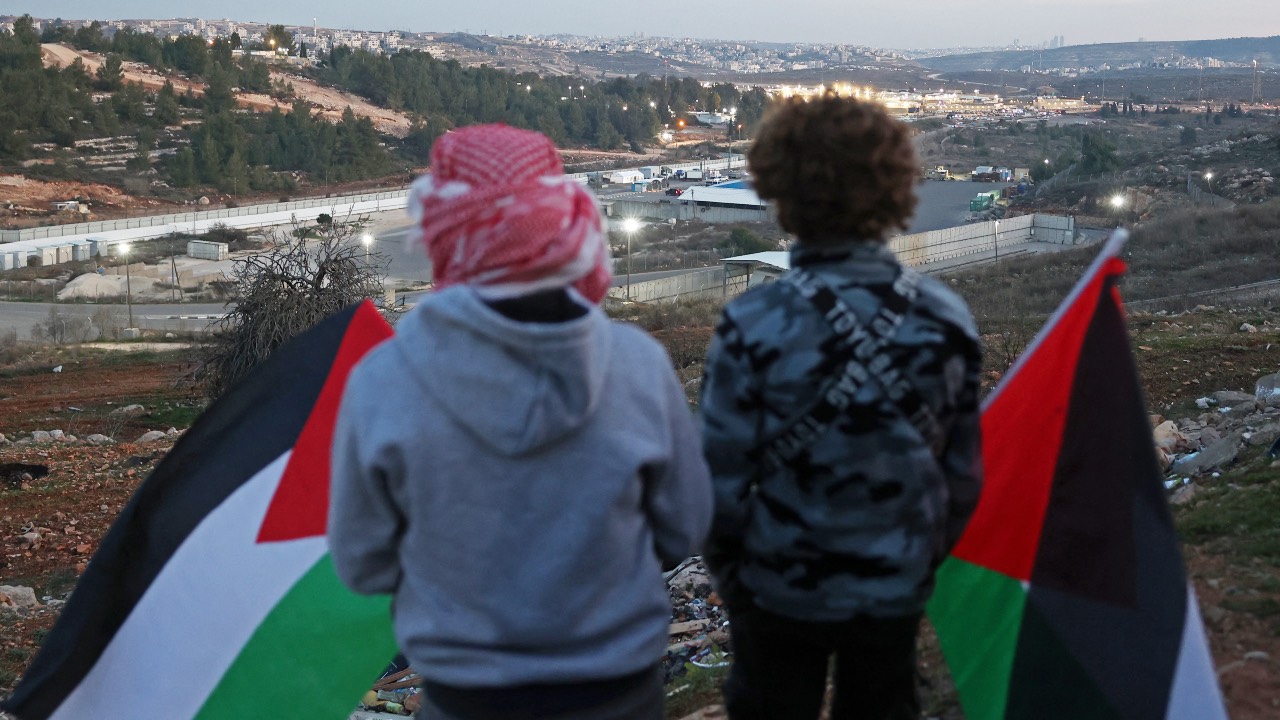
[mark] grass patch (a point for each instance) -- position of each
(181, 415)
(665, 316)
(702, 688)
(57, 583)
(1238, 522)
(1262, 607)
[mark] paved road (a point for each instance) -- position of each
(946, 204)
(22, 316)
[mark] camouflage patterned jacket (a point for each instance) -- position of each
(858, 520)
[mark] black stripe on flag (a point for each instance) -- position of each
(1107, 601)
(243, 432)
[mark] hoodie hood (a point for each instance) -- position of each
(516, 386)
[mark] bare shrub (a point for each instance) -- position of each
(109, 321)
(703, 312)
(284, 291)
(9, 346)
(62, 328)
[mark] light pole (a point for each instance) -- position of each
(1118, 201)
(128, 284)
(367, 240)
(629, 226)
(1208, 181)
(995, 241)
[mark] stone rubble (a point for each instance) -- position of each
(1200, 447)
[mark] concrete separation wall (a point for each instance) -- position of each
(1201, 196)
(948, 243)
(117, 231)
(699, 283)
(675, 210)
(1011, 235)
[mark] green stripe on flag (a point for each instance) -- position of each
(978, 613)
(314, 655)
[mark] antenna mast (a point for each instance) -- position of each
(1257, 84)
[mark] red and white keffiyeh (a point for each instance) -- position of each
(498, 213)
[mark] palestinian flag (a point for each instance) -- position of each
(213, 595)
(1066, 598)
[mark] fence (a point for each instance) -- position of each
(1252, 292)
(1057, 179)
(393, 200)
(1204, 197)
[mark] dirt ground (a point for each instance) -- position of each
(37, 194)
(86, 486)
(57, 55)
(331, 102)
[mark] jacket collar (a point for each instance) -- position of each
(803, 255)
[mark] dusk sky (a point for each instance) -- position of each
(890, 23)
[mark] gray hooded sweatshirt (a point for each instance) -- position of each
(517, 487)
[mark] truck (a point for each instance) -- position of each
(938, 172)
(984, 201)
(694, 174)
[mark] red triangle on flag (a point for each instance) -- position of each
(300, 507)
(1004, 533)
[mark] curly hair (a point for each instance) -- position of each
(835, 168)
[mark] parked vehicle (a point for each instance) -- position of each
(939, 172)
(675, 192)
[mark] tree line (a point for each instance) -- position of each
(571, 110)
(221, 146)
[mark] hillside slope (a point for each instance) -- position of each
(1242, 50)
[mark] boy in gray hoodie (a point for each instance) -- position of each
(512, 466)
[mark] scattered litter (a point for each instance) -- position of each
(698, 621)
(58, 369)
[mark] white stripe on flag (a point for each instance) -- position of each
(198, 614)
(1195, 694)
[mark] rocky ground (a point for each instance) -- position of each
(1200, 369)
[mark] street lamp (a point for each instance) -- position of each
(367, 240)
(1117, 201)
(1208, 181)
(128, 283)
(629, 226)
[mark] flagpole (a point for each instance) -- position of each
(1112, 247)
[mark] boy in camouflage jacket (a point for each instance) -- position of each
(841, 422)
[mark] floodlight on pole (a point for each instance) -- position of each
(629, 226)
(1117, 201)
(366, 239)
